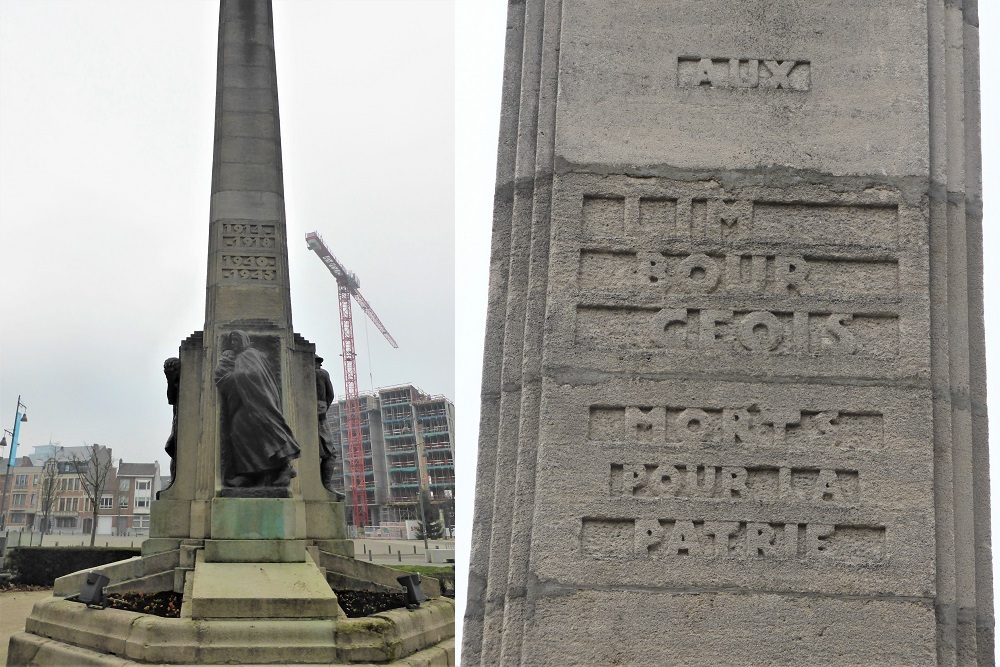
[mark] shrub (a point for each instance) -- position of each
(41, 566)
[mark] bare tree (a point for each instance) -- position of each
(49, 493)
(93, 473)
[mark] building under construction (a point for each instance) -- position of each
(408, 438)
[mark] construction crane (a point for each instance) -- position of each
(347, 287)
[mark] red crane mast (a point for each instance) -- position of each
(347, 287)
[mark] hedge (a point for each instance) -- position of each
(41, 566)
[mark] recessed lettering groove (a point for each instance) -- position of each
(743, 73)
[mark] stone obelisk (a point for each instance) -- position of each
(247, 290)
(734, 391)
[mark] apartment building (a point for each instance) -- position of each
(124, 501)
(22, 499)
(136, 486)
(408, 440)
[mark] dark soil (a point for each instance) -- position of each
(168, 604)
(365, 603)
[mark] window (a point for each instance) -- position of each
(141, 501)
(142, 484)
(17, 517)
(19, 499)
(140, 521)
(123, 485)
(62, 504)
(76, 505)
(34, 480)
(66, 522)
(34, 499)
(76, 484)
(107, 502)
(62, 484)
(123, 502)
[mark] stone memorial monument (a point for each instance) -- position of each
(247, 530)
(734, 388)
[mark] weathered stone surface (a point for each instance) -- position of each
(261, 590)
(256, 519)
(348, 572)
(255, 551)
(154, 545)
(67, 633)
(733, 401)
(343, 548)
(139, 574)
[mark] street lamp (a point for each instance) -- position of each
(19, 416)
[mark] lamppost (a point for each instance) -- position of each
(19, 416)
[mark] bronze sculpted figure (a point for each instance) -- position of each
(257, 443)
(327, 448)
(172, 371)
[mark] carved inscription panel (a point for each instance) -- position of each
(737, 425)
(693, 305)
(665, 266)
(743, 73)
(670, 538)
(247, 251)
(723, 85)
(691, 480)
(658, 273)
(714, 216)
(749, 482)
(801, 332)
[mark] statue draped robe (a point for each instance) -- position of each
(255, 436)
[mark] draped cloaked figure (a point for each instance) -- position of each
(327, 447)
(257, 442)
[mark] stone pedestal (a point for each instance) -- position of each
(257, 519)
(260, 590)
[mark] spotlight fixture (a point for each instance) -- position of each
(92, 593)
(414, 594)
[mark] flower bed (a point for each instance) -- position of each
(365, 603)
(166, 604)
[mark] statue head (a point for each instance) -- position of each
(172, 369)
(238, 341)
(319, 361)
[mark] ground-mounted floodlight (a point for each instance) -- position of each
(414, 594)
(92, 593)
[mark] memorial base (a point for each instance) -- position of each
(237, 613)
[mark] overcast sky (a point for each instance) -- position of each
(106, 131)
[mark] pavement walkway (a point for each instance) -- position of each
(14, 608)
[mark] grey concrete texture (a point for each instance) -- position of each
(733, 388)
(248, 249)
(59, 632)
